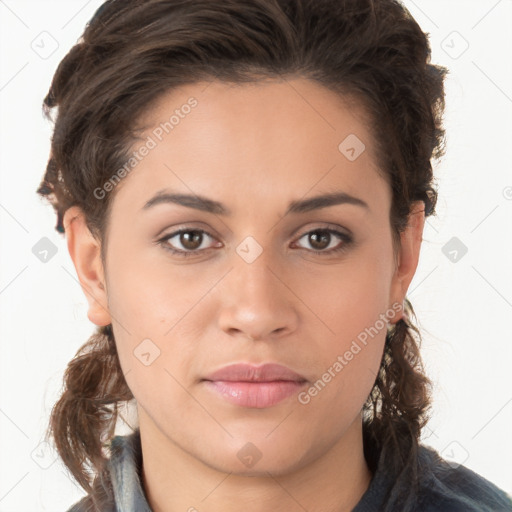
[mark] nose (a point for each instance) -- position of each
(257, 300)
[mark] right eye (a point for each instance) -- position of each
(190, 239)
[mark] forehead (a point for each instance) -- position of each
(270, 140)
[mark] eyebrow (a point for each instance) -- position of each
(211, 206)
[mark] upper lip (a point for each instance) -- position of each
(249, 373)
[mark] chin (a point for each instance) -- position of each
(253, 461)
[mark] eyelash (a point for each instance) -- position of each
(347, 241)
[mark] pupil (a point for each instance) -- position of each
(191, 242)
(324, 237)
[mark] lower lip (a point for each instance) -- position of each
(255, 394)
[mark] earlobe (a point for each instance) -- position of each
(85, 251)
(409, 254)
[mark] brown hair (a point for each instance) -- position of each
(132, 52)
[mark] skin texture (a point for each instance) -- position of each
(254, 148)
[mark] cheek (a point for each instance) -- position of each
(149, 295)
(154, 307)
(351, 297)
(352, 303)
(349, 362)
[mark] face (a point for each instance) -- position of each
(261, 273)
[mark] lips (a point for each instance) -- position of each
(258, 387)
(248, 373)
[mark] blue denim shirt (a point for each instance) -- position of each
(444, 486)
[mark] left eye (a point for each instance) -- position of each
(192, 241)
(319, 237)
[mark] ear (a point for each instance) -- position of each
(408, 255)
(85, 251)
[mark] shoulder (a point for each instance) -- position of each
(119, 486)
(426, 482)
(101, 498)
(445, 486)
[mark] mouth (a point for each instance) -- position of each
(258, 387)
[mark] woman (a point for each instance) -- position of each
(243, 186)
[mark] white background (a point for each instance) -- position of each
(464, 307)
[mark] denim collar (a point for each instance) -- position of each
(125, 473)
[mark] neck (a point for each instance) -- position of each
(174, 480)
